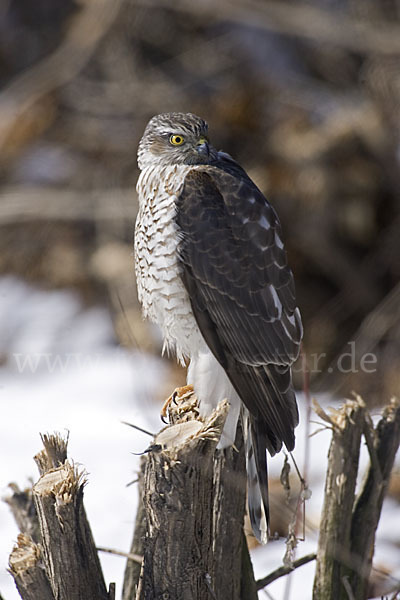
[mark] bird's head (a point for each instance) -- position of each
(175, 139)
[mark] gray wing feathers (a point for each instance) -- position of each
(241, 290)
(231, 243)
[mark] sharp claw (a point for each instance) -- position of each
(173, 398)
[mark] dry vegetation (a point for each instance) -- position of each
(306, 99)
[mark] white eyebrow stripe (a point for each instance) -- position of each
(172, 129)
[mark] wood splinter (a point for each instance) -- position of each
(26, 567)
(65, 564)
(194, 504)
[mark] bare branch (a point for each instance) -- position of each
(281, 571)
(85, 31)
(300, 19)
(368, 506)
(135, 557)
(36, 203)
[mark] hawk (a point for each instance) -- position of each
(212, 272)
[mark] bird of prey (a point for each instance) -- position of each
(212, 272)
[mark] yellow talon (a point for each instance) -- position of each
(177, 393)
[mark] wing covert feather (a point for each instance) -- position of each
(231, 246)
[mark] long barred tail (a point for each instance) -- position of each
(257, 478)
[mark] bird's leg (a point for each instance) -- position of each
(179, 393)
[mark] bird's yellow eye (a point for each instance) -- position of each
(176, 140)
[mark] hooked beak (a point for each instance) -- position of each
(203, 147)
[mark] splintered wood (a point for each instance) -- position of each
(334, 538)
(194, 502)
(349, 521)
(27, 569)
(65, 565)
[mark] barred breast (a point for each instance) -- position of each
(161, 292)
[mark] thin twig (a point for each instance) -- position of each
(395, 595)
(307, 397)
(301, 497)
(297, 469)
(281, 571)
(132, 482)
(268, 594)
(139, 428)
(129, 555)
(129, 329)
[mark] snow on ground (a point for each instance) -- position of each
(268, 558)
(65, 372)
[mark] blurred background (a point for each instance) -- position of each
(306, 96)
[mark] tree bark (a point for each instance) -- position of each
(194, 499)
(65, 566)
(334, 536)
(248, 584)
(383, 444)
(348, 524)
(69, 553)
(27, 569)
(133, 568)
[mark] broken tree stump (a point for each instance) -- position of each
(28, 571)
(383, 442)
(64, 564)
(69, 553)
(349, 522)
(194, 503)
(334, 535)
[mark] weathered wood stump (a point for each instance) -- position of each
(189, 526)
(194, 504)
(64, 565)
(349, 521)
